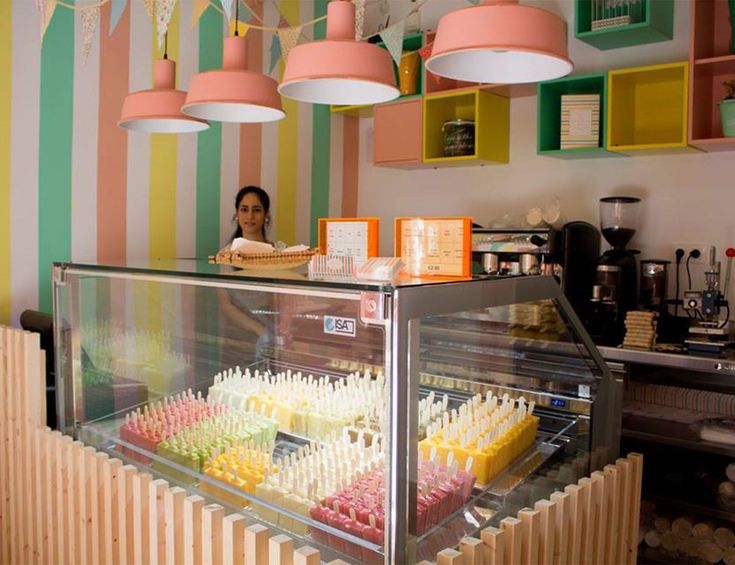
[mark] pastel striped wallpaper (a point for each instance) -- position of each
(74, 186)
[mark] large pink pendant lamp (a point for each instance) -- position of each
(159, 110)
(500, 42)
(338, 69)
(234, 94)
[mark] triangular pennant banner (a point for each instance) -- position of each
(117, 8)
(289, 37)
(227, 8)
(164, 11)
(150, 7)
(275, 52)
(359, 19)
(200, 6)
(283, 22)
(90, 16)
(46, 8)
(244, 14)
(393, 39)
(242, 29)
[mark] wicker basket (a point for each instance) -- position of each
(262, 261)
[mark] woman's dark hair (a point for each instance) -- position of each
(264, 200)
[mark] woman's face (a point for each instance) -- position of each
(251, 217)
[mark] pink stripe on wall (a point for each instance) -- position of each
(112, 165)
(250, 134)
(350, 166)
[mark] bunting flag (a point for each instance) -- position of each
(46, 10)
(117, 7)
(200, 6)
(242, 29)
(288, 38)
(227, 8)
(393, 38)
(150, 7)
(359, 19)
(164, 11)
(244, 15)
(275, 52)
(90, 17)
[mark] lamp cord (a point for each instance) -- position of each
(165, 45)
(237, 17)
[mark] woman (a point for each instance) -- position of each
(245, 310)
(252, 214)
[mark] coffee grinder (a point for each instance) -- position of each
(615, 290)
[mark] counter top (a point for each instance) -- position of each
(715, 365)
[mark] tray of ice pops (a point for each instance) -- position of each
(246, 254)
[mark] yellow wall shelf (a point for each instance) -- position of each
(647, 111)
(489, 111)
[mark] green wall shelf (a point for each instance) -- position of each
(549, 115)
(653, 21)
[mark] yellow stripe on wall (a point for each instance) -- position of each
(162, 196)
(5, 71)
(288, 135)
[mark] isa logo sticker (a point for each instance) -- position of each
(340, 326)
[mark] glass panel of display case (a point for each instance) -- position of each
(262, 398)
(504, 394)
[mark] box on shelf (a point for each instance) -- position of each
(580, 120)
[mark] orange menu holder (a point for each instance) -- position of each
(435, 246)
(357, 237)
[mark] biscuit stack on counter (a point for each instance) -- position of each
(640, 329)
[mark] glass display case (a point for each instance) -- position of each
(380, 422)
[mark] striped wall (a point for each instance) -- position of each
(74, 186)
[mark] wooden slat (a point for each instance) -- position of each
(280, 550)
(449, 557)
(588, 523)
(306, 556)
(601, 533)
(612, 502)
(547, 528)
(4, 459)
(62, 499)
(73, 453)
(233, 539)
(31, 373)
(636, 461)
(256, 545)
(12, 445)
(212, 516)
(156, 522)
(624, 490)
(530, 535)
(126, 549)
(574, 524)
(50, 494)
(193, 529)
(42, 435)
(99, 542)
(561, 519)
(111, 529)
(472, 550)
(173, 500)
(141, 531)
(494, 540)
(513, 541)
(88, 478)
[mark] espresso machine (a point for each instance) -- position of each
(568, 253)
(615, 290)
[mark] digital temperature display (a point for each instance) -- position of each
(559, 402)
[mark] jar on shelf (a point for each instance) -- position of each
(459, 138)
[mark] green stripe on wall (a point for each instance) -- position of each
(320, 144)
(54, 153)
(209, 145)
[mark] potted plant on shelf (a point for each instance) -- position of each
(727, 109)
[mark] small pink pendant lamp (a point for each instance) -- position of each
(500, 42)
(234, 94)
(159, 110)
(339, 70)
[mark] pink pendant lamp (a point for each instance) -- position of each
(234, 94)
(159, 110)
(500, 42)
(339, 70)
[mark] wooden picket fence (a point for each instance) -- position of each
(64, 502)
